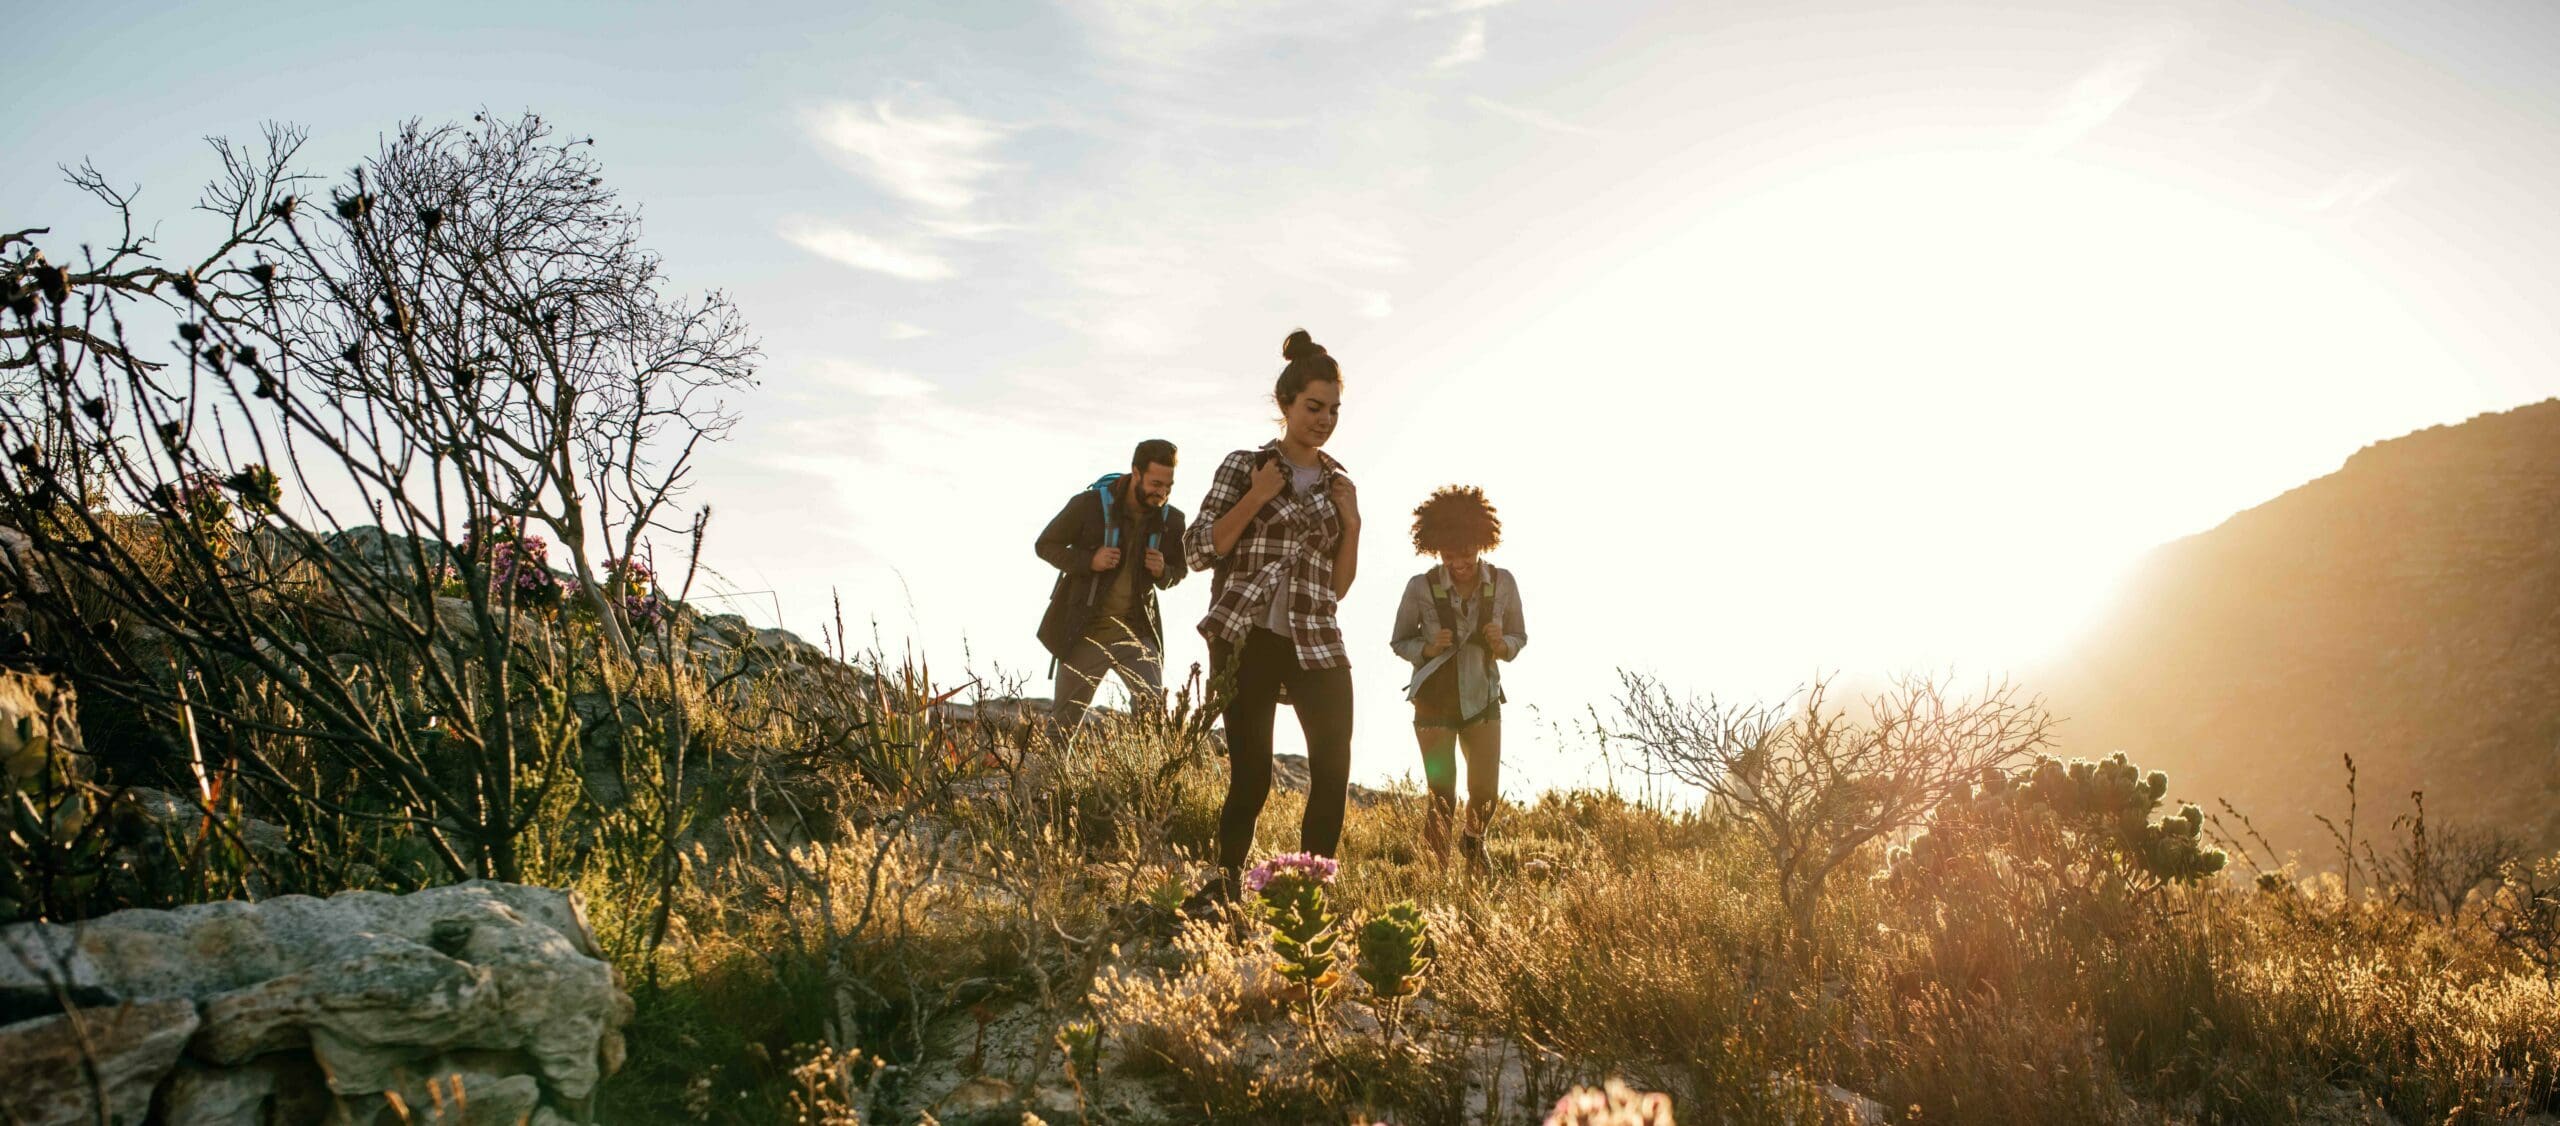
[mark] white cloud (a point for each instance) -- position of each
(2355, 189)
(2270, 82)
(1142, 292)
(901, 330)
(964, 230)
(1469, 47)
(935, 159)
(871, 382)
(1362, 241)
(2099, 94)
(1168, 45)
(1455, 7)
(1534, 119)
(862, 252)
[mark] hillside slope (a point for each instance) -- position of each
(2404, 610)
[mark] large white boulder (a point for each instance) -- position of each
(380, 998)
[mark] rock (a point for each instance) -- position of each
(365, 1018)
(1846, 1105)
(278, 1088)
(1857, 1108)
(456, 618)
(985, 1094)
(1051, 1101)
(45, 1063)
(375, 992)
(1290, 772)
(449, 1098)
(731, 629)
(19, 562)
(173, 812)
(40, 748)
(788, 646)
(384, 550)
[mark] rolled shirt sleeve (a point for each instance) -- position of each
(1226, 487)
(1408, 640)
(1515, 631)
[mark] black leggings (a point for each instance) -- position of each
(1323, 700)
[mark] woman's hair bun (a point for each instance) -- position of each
(1299, 346)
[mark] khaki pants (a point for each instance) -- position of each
(1108, 646)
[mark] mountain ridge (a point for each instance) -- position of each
(2403, 609)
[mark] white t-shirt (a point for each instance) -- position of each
(1302, 480)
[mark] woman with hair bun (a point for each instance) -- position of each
(1280, 530)
(1456, 621)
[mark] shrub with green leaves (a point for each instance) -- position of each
(2082, 827)
(1303, 928)
(1396, 953)
(1080, 1041)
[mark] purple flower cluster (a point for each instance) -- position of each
(515, 562)
(1303, 866)
(631, 575)
(644, 611)
(523, 563)
(634, 587)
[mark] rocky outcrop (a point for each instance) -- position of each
(2404, 610)
(40, 749)
(487, 1002)
(60, 1068)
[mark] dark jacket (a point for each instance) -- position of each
(1068, 544)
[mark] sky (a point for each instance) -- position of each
(1789, 338)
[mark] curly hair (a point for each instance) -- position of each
(1456, 519)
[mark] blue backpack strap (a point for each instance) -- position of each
(1110, 530)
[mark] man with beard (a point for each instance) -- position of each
(1115, 544)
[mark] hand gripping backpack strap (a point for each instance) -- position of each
(1448, 614)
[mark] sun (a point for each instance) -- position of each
(1921, 409)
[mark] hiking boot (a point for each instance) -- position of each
(1212, 899)
(1472, 847)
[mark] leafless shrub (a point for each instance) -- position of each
(2524, 912)
(2438, 868)
(287, 524)
(1814, 785)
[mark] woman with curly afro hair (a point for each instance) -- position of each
(1458, 620)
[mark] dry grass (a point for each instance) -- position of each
(1615, 940)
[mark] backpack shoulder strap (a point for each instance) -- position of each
(1103, 489)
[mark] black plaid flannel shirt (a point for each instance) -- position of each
(1287, 551)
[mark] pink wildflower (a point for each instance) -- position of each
(1615, 1105)
(1305, 866)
